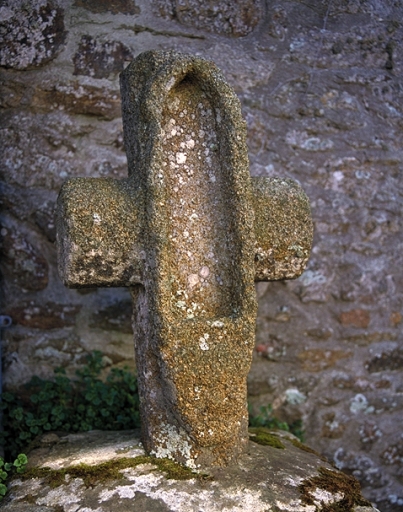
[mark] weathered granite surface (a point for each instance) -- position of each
(266, 479)
(189, 233)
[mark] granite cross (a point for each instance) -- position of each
(189, 232)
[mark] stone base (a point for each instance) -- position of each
(109, 471)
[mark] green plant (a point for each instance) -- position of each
(8, 468)
(61, 404)
(266, 419)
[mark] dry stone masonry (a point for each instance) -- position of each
(189, 232)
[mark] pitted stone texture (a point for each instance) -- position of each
(283, 228)
(32, 33)
(267, 479)
(203, 240)
(98, 233)
(233, 18)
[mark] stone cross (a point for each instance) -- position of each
(189, 232)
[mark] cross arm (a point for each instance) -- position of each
(283, 228)
(98, 231)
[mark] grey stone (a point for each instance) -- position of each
(190, 233)
(103, 6)
(234, 18)
(100, 59)
(287, 479)
(25, 264)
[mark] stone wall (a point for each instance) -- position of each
(321, 86)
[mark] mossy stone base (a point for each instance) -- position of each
(109, 471)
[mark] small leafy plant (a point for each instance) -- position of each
(85, 403)
(62, 404)
(266, 419)
(8, 468)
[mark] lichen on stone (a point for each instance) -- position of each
(228, 17)
(32, 32)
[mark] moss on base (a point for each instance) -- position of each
(261, 435)
(110, 470)
(333, 482)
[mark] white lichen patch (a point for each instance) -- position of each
(294, 396)
(169, 441)
(203, 342)
(65, 496)
(217, 323)
(359, 403)
(183, 497)
(144, 483)
(180, 158)
(87, 509)
(97, 218)
(294, 482)
(321, 496)
(193, 280)
(204, 272)
(25, 487)
(294, 506)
